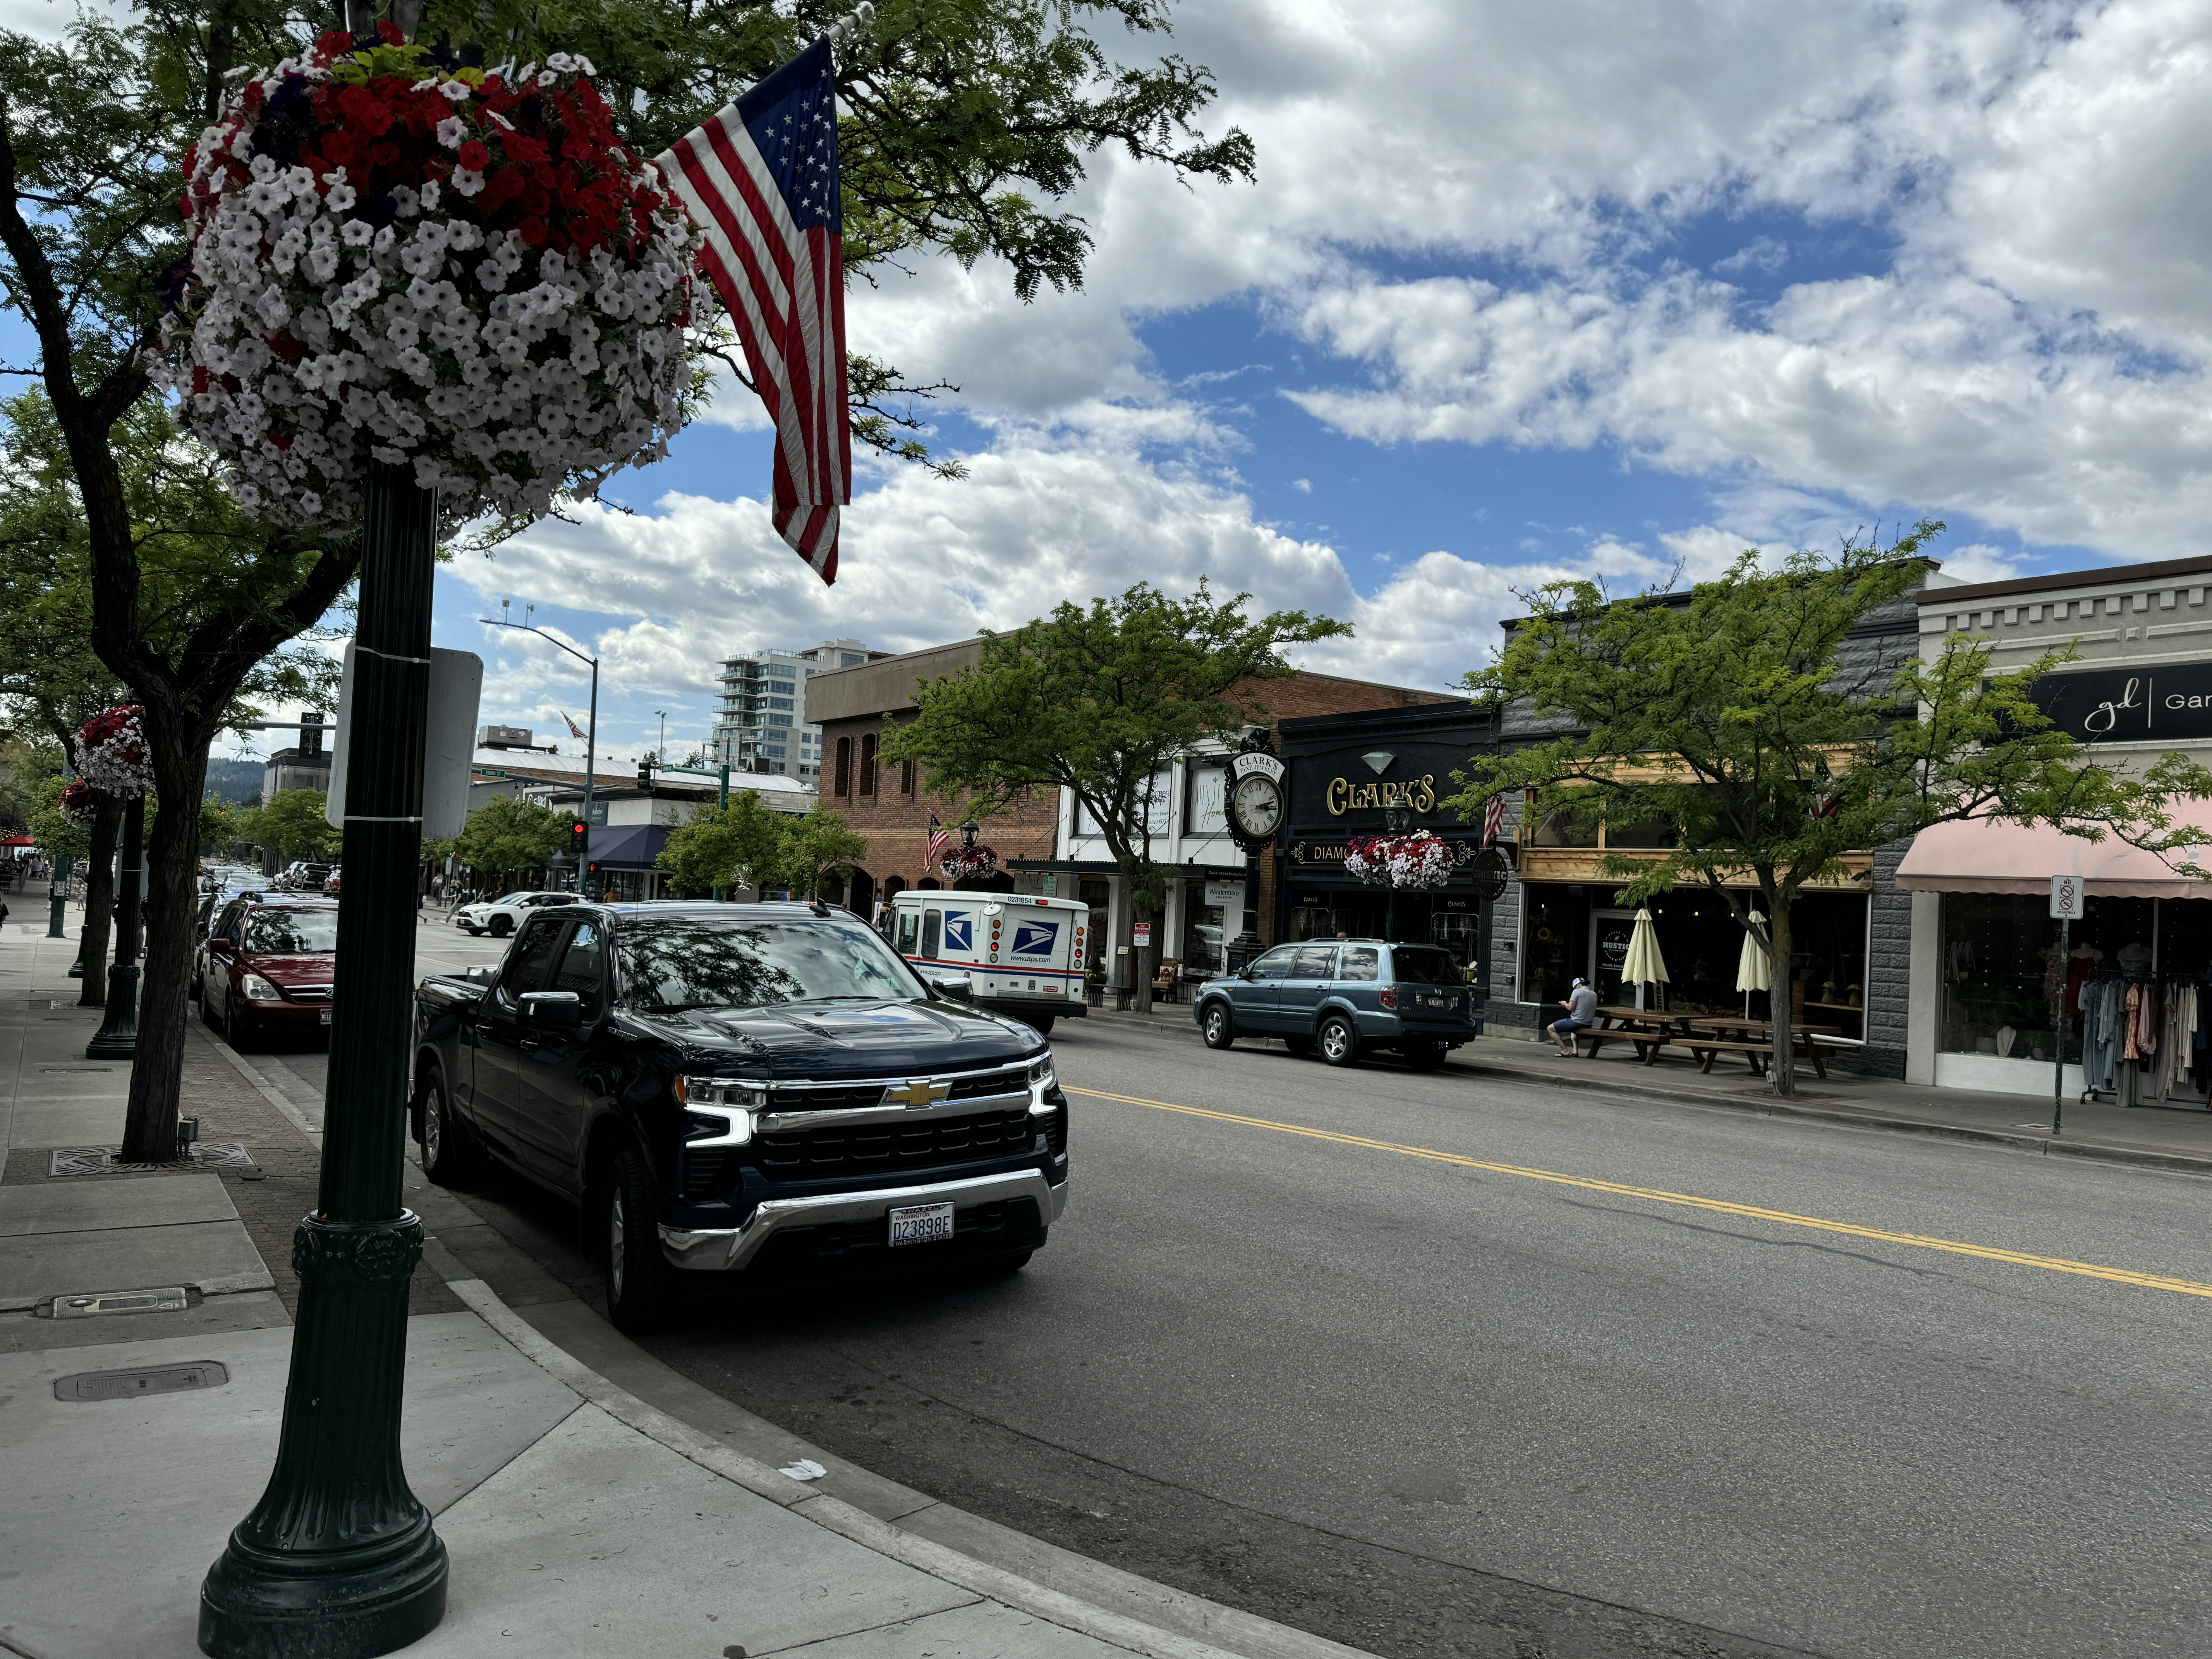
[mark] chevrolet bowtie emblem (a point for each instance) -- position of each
(920, 1092)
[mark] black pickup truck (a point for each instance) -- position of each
(727, 1089)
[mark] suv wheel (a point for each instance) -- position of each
(449, 1151)
(1220, 1031)
(502, 926)
(1339, 1043)
(640, 1288)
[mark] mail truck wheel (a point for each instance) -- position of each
(1220, 1031)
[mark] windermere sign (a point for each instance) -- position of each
(2153, 705)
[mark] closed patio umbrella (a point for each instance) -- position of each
(1753, 970)
(1643, 965)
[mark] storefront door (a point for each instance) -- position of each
(1610, 931)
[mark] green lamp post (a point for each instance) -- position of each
(338, 1561)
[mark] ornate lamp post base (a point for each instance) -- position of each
(338, 1559)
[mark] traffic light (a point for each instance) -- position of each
(645, 772)
(580, 836)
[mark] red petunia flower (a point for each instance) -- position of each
(473, 155)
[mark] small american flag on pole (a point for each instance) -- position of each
(939, 839)
(761, 179)
(1493, 819)
(574, 730)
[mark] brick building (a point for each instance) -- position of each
(886, 802)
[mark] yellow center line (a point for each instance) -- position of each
(1659, 1196)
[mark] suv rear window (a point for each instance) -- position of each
(1420, 965)
(273, 932)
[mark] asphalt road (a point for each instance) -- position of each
(1423, 1396)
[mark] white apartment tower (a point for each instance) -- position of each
(761, 725)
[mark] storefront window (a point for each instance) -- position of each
(1567, 827)
(1206, 798)
(1202, 934)
(2003, 993)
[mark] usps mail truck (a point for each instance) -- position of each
(1024, 955)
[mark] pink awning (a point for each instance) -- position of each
(1984, 855)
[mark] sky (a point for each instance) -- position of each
(1518, 293)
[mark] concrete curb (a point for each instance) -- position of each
(1055, 1606)
(1866, 1120)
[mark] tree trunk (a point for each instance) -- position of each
(1782, 1062)
(149, 1124)
(99, 904)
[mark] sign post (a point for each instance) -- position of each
(2066, 902)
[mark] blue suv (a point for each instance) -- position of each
(1345, 997)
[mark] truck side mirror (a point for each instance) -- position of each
(957, 986)
(559, 1009)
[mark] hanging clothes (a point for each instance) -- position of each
(2101, 1033)
(2142, 1022)
(2179, 1039)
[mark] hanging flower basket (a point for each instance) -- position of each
(80, 805)
(970, 863)
(111, 754)
(397, 258)
(1420, 860)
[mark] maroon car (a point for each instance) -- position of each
(269, 963)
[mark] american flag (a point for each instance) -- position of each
(574, 730)
(1493, 819)
(939, 839)
(761, 179)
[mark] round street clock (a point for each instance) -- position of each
(1256, 807)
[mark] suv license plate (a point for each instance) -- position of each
(1439, 1002)
(922, 1224)
(326, 1015)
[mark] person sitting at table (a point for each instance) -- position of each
(1581, 1005)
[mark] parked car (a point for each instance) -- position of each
(1345, 998)
(733, 1092)
(301, 876)
(269, 966)
(330, 884)
(500, 916)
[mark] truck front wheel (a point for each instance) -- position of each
(449, 1151)
(640, 1289)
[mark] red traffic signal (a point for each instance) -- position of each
(580, 836)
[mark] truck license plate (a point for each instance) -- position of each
(922, 1224)
(326, 1015)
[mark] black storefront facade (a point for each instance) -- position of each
(1345, 775)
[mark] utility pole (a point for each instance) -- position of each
(591, 723)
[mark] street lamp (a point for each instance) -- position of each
(1396, 821)
(592, 737)
(968, 833)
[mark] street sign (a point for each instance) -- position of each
(1140, 934)
(2066, 898)
(449, 742)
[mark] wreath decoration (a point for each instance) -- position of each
(111, 756)
(1420, 859)
(398, 257)
(970, 863)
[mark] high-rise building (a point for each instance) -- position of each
(762, 726)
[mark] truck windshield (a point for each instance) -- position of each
(695, 963)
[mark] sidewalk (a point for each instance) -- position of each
(594, 1501)
(2172, 1136)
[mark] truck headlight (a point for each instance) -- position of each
(257, 989)
(719, 1111)
(1042, 1082)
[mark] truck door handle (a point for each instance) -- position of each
(529, 1044)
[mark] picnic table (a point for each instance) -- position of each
(1707, 1036)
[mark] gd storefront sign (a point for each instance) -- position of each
(2122, 705)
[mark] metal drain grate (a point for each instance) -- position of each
(164, 1300)
(131, 1385)
(101, 1160)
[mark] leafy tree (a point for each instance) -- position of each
(1738, 718)
(818, 854)
(506, 836)
(1098, 702)
(292, 826)
(221, 824)
(731, 847)
(957, 110)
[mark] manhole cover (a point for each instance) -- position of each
(100, 1160)
(163, 1300)
(153, 1379)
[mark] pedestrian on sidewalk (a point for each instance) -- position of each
(1581, 1005)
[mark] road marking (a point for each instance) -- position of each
(1659, 1196)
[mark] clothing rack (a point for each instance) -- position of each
(2127, 1074)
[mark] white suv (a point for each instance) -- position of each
(500, 916)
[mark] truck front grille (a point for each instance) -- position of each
(831, 1152)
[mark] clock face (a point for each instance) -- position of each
(1259, 805)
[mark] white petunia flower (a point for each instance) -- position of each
(340, 198)
(356, 233)
(452, 131)
(457, 92)
(467, 181)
